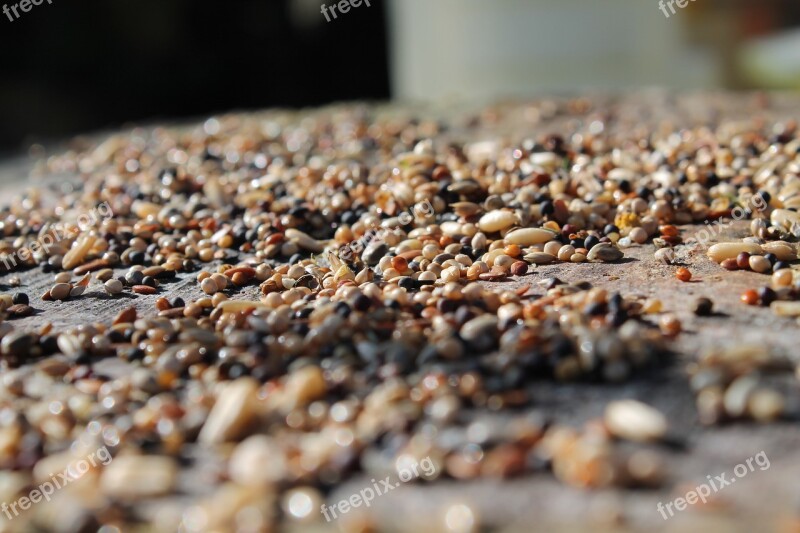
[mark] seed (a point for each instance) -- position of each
(162, 304)
(784, 218)
(565, 252)
(683, 274)
(765, 405)
(498, 220)
(731, 264)
(743, 261)
(77, 290)
(304, 241)
(636, 421)
(604, 252)
(783, 251)
(60, 291)
(113, 286)
(20, 298)
(399, 264)
(143, 289)
(786, 308)
(220, 281)
(20, 310)
(539, 258)
(63, 277)
(703, 307)
(730, 250)
(638, 235)
(519, 268)
(126, 316)
(782, 278)
(209, 286)
(759, 264)
(766, 296)
(665, 255)
(77, 253)
(750, 297)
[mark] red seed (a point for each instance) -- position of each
(750, 297)
(143, 289)
(683, 274)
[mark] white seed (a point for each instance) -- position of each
(759, 263)
(784, 218)
(636, 421)
(528, 236)
(539, 258)
(782, 250)
(304, 241)
(113, 286)
(729, 250)
(497, 220)
(208, 286)
(565, 252)
(638, 235)
(552, 248)
(782, 308)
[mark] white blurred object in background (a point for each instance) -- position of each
(489, 49)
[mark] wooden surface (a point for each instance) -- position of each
(766, 499)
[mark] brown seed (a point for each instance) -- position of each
(126, 316)
(519, 268)
(20, 311)
(683, 274)
(143, 289)
(175, 312)
(162, 304)
(743, 261)
(240, 279)
(153, 271)
(91, 266)
(729, 264)
(192, 310)
(247, 272)
(399, 263)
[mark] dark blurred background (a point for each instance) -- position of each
(73, 67)
(79, 66)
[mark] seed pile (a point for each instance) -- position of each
(352, 309)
